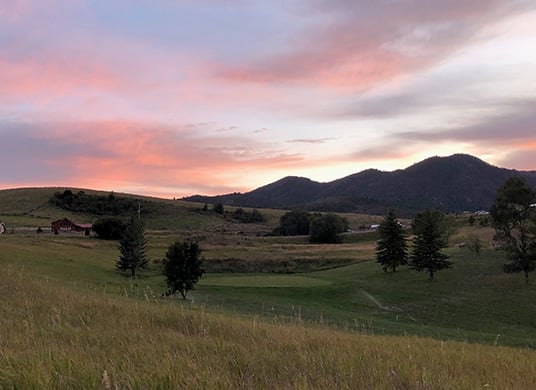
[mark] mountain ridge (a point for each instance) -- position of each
(455, 183)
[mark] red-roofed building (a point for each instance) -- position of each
(66, 225)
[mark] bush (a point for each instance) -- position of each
(244, 216)
(109, 228)
(294, 223)
(326, 228)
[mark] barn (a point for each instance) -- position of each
(66, 225)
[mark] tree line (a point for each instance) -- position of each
(321, 228)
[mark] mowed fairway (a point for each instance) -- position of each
(277, 281)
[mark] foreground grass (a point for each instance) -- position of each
(475, 301)
(58, 337)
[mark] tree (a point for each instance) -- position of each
(392, 248)
(109, 228)
(325, 228)
(430, 237)
(182, 267)
(132, 247)
(294, 223)
(218, 208)
(513, 215)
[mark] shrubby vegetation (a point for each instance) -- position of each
(244, 216)
(95, 204)
(321, 228)
(293, 223)
(326, 228)
(218, 208)
(109, 228)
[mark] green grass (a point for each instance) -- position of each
(262, 281)
(54, 336)
(473, 302)
(68, 319)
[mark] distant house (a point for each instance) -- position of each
(3, 228)
(66, 225)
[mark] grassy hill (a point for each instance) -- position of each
(31, 207)
(70, 320)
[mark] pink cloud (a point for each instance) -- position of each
(358, 44)
(133, 155)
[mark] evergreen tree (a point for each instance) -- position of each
(132, 247)
(182, 267)
(392, 248)
(513, 215)
(430, 237)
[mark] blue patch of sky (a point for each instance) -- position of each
(219, 30)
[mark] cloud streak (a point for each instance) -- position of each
(358, 44)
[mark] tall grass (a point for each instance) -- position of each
(57, 337)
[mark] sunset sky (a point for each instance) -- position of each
(180, 97)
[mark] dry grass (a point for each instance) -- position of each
(55, 337)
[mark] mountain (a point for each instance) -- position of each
(452, 184)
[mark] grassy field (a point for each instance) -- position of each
(472, 302)
(290, 315)
(57, 336)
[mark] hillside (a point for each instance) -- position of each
(71, 321)
(32, 207)
(452, 184)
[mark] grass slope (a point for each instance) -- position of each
(474, 302)
(54, 336)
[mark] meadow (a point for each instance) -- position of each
(272, 312)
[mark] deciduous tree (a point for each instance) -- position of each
(326, 228)
(182, 267)
(513, 216)
(294, 223)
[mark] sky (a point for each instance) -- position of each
(172, 98)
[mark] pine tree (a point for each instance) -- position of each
(430, 238)
(182, 267)
(132, 247)
(392, 248)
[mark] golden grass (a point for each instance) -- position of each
(55, 337)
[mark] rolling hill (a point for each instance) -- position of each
(452, 184)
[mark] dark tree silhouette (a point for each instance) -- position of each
(430, 239)
(294, 223)
(392, 247)
(326, 228)
(513, 215)
(182, 267)
(132, 247)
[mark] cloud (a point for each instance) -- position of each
(132, 155)
(309, 140)
(359, 44)
(510, 124)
